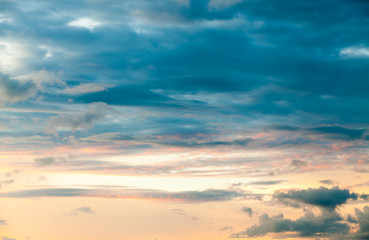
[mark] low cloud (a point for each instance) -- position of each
(320, 197)
(2, 222)
(248, 211)
(363, 221)
(308, 225)
(95, 112)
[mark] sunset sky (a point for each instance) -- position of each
(184, 119)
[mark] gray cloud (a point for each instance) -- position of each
(320, 197)
(309, 225)
(6, 238)
(13, 90)
(328, 182)
(298, 163)
(226, 228)
(182, 212)
(248, 211)
(363, 221)
(86, 210)
(266, 182)
(81, 210)
(44, 161)
(186, 196)
(6, 182)
(2, 222)
(96, 111)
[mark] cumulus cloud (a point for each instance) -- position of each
(363, 221)
(95, 112)
(309, 225)
(319, 197)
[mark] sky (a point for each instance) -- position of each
(184, 119)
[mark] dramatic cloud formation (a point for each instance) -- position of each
(213, 104)
(309, 225)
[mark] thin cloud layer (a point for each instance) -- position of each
(186, 196)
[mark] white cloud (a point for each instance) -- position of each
(355, 52)
(88, 23)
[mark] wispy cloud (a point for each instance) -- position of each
(186, 196)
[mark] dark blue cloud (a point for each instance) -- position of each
(320, 197)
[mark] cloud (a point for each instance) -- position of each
(95, 112)
(88, 23)
(319, 197)
(363, 221)
(298, 163)
(2, 222)
(81, 210)
(355, 52)
(12, 90)
(6, 238)
(327, 182)
(219, 4)
(309, 225)
(226, 228)
(266, 182)
(44, 161)
(6, 182)
(248, 211)
(186, 196)
(85, 88)
(341, 132)
(182, 212)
